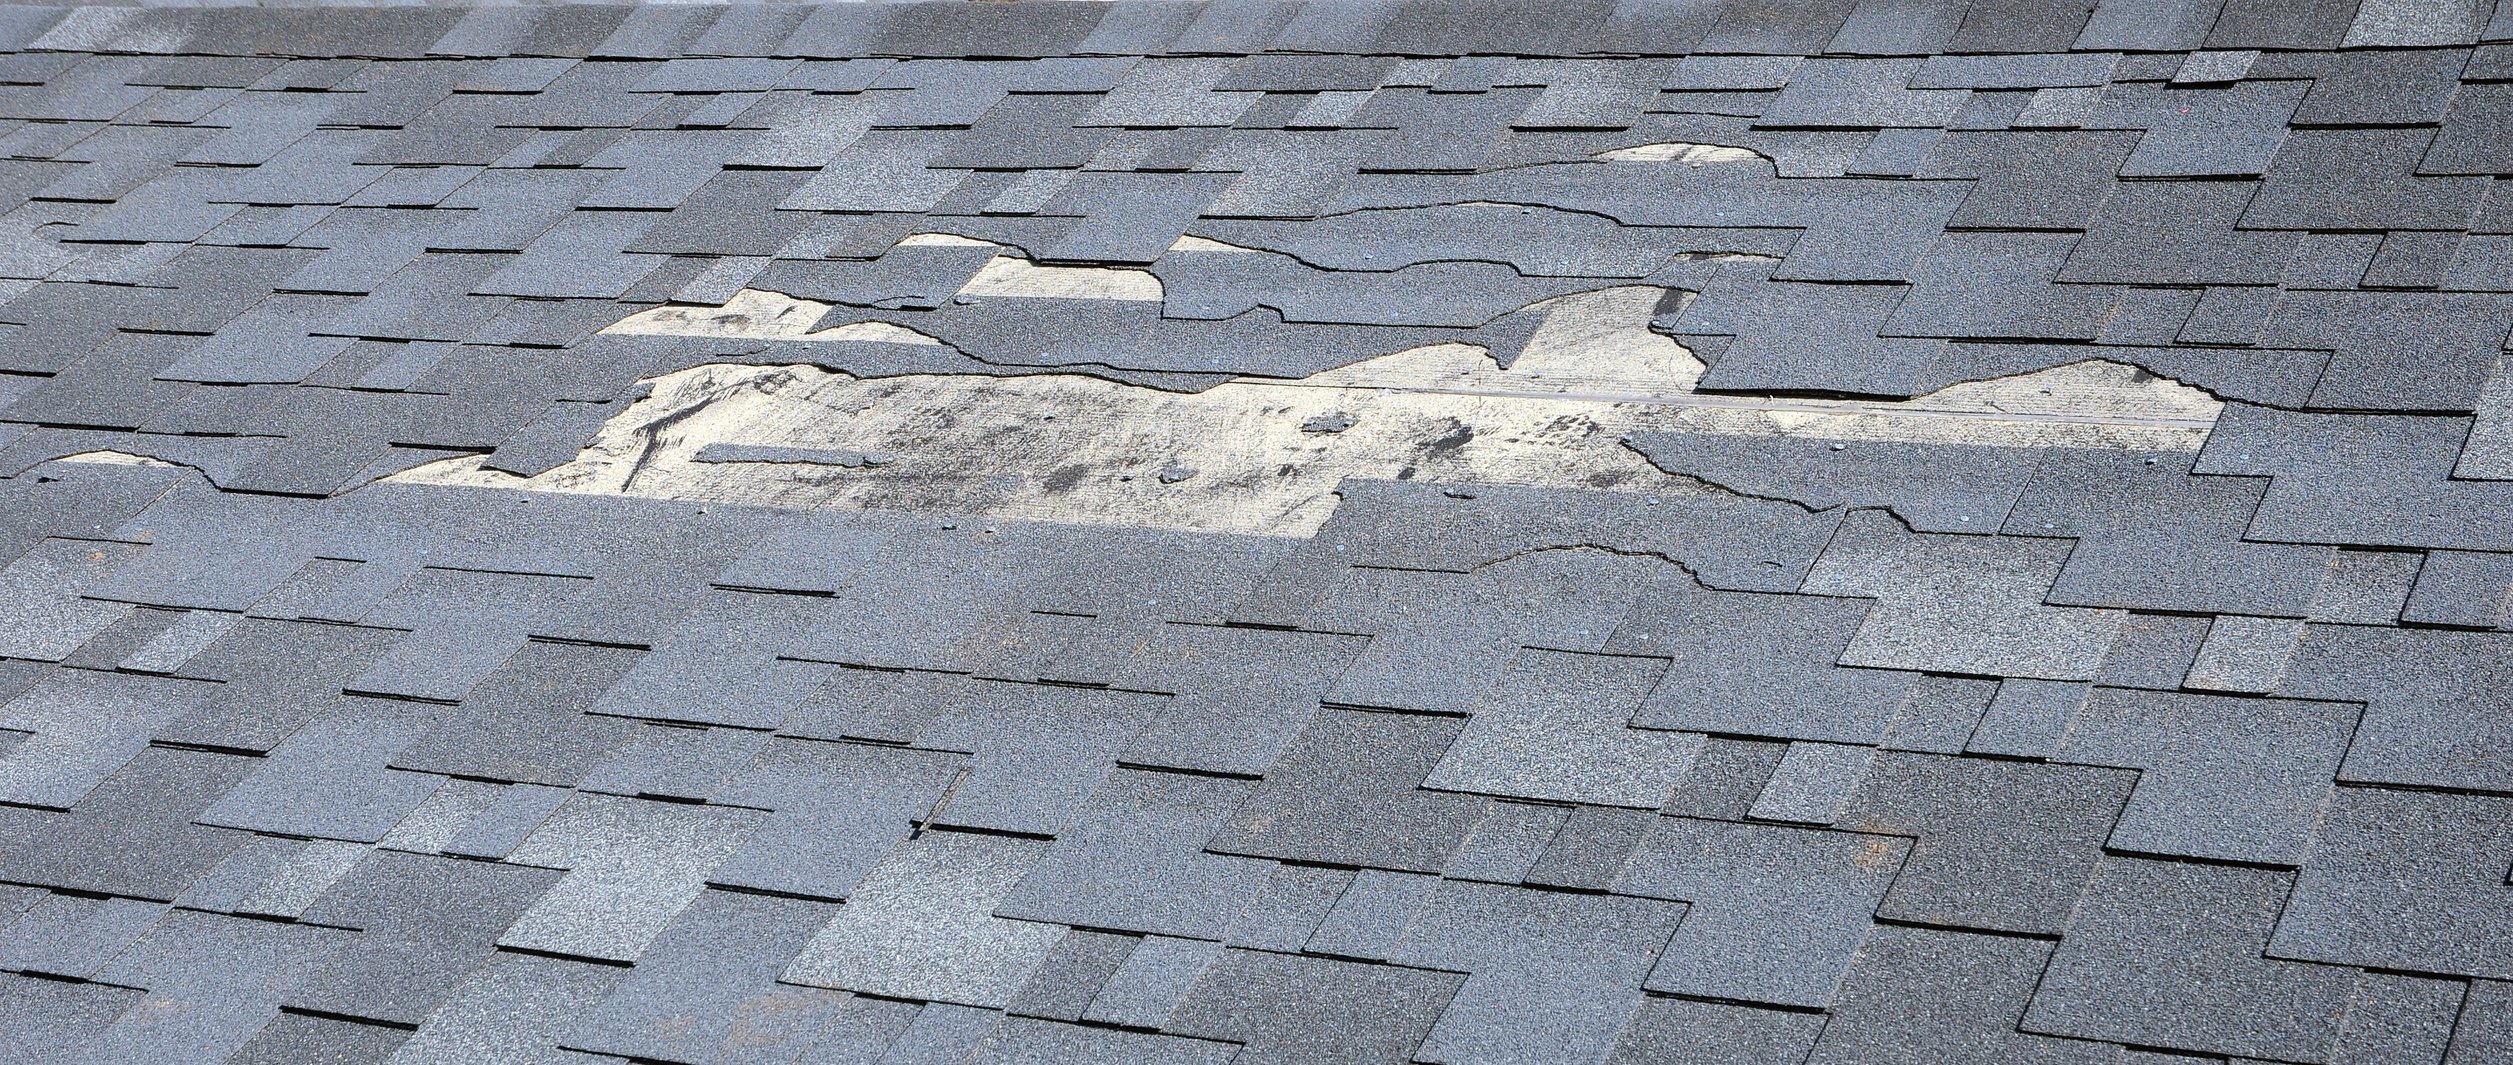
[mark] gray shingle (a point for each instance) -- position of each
(1793, 337)
(1448, 27)
(295, 1037)
(1725, 778)
(837, 810)
(2226, 778)
(329, 779)
(1997, 845)
(2482, 264)
(1238, 696)
(2468, 589)
(1071, 977)
(48, 618)
(2168, 954)
(1562, 733)
(513, 1008)
(1937, 488)
(213, 981)
(2475, 138)
(1507, 843)
(1029, 131)
(2366, 480)
(732, 214)
(1133, 861)
(1590, 849)
(2399, 1017)
(1942, 714)
(1999, 285)
(1288, 910)
(2235, 131)
(1959, 604)
(56, 1019)
(1371, 915)
(84, 727)
(721, 668)
(581, 256)
(1347, 794)
(1813, 783)
(1035, 751)
(1922, 994)
(2150, 536)
(881, 171)
(2255, 23)
(2031, 180)
(2159, 233)
(2485, 1026)
(1592, 94)
(2412, 22)
(2396, 350)
(423, 924)
(1860, 93)
(266, 694)
(526, 721)
(1671, 1030)
(2382, 88)
(2403, 880)
(632, 865)
(922, 925)
(2149, 25)
(71, 937)
(2366, 587)
(1288, 1008)
(1780, 682)
(1144, 990)
(1776, 912)
(2360, 179)
(1225, 284)
(707, 990)
(493, 819)
(2245, 654)
(1436, 648)
(132, 835)
(2430, 698)
(2020, 26)
(1551, 975)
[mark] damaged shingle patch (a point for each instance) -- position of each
(1265, 532)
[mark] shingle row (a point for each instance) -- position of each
(442, 761)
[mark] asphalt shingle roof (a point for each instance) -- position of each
(764, 535)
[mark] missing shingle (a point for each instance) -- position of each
(1007, 276)
(1062, 447)
(115, 458)
(761, 315)
(1680, 152)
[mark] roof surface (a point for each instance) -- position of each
(1420, 530)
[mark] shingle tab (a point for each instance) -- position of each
(1998, 845)
(922, 925)
(1563, 733)
(1726, 873)
(2400, 879)
(2197, 929)
(1348, 793)
(1551, 975)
